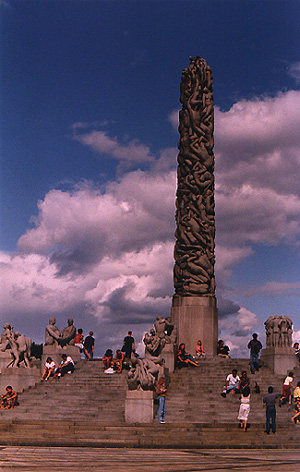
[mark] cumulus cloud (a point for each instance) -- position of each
(105, 252)
(294, 71)
(129, 152)
(236, 330)
(80, 227)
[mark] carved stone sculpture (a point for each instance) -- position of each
(170, 331)
(195, 233)
(279, 331)
(55, 337)
(143, 373)
(22, 350)
(18, 345)
(68, 334)
(52, 333)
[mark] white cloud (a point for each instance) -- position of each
(236, 331)
(107, 252)
(131, 152)
(294, 71)
(132, 213)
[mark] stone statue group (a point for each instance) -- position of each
(53, 336)
(143, 373)
(279, 331)
(16, 344)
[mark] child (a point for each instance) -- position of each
(199, 350)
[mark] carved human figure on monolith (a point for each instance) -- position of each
(68, 334)
(52, 333)
(194, 249)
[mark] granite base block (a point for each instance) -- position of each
(20, 378)
(280, 360)
(196, 318)
(139, 406)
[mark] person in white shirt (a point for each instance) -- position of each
(232, 383)
(49, 368)
(66, 365)
(286, 389)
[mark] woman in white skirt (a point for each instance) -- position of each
(244, 408)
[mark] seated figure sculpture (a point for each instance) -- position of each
(52, 333)
(55, 337)
(68, 334)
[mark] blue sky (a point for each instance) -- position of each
(89, 109)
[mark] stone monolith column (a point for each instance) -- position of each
(194, 309)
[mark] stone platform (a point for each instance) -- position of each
(87, 409)
(61, 459)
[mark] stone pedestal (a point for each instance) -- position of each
(279, 359)
(169, 356)
(55, 352)
(139, 406)
(19, 378)
(5, 359)
(196, 318)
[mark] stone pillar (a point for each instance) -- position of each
(280, 360)
(139, 406)
(196, 318)
(194, 305)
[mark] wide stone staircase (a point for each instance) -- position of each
(87, 409)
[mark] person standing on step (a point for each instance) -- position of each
(244, 408)
(161, 391)
(286, 389)
(270, 400)
(89, 344)
(255, 346)
(128, 345)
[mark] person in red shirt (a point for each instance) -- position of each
(118, 360)
(9, 399)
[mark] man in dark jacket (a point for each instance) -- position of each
(255, 346)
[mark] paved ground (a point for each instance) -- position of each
(56, 459)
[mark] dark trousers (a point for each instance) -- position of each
(67, 368)
(271, 415)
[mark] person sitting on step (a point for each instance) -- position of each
(107, 359)
(199, 350)
(231, 384)
(66, 366)
(244, 382)
(49, 368)
(9, 399)
(117, 362)
(296, 417)
(222, 349)
(184, 358)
